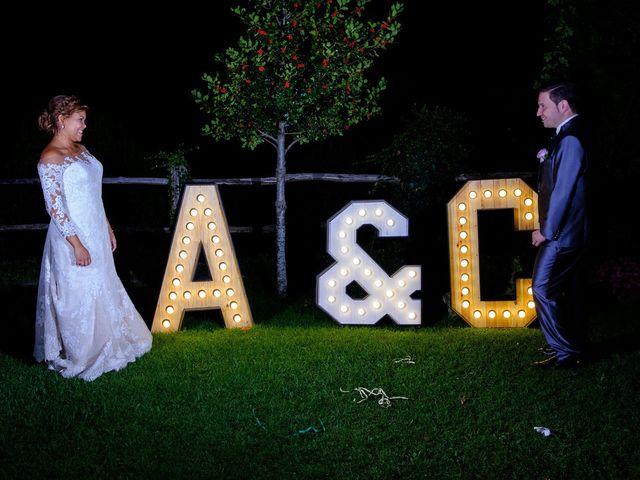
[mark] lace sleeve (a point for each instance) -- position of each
(53, 189)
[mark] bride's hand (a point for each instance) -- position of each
(83, 258)
(112, 238)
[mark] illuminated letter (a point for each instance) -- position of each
(201, 224)
(386, 295)
(464, 253)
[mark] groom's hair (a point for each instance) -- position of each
(563, 91)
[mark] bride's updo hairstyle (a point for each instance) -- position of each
(65, 105)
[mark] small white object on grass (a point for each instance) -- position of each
(547, 432)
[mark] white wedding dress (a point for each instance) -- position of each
(86, 324)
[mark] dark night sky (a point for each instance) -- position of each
(136, 73)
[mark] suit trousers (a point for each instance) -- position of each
(558, 285)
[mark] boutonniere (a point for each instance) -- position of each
(542, 155)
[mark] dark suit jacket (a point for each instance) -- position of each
(562, 189)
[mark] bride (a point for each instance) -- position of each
(86, 324)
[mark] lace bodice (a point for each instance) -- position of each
(53, 188)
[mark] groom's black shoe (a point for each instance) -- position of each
(548, 362)
(547, 351)
(556, 363)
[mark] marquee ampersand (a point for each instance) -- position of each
(387, 295)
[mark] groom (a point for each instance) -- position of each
(564, 230)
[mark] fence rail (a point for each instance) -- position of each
(292, 177)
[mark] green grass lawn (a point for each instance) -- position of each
(270, 403)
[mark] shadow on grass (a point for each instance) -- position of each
(18, 322)
(615, 331)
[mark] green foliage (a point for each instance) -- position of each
(188, 408)
(301, 66)
(426, 155)
(177, 169)
(559, 44)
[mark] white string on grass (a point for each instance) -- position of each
(406, 359)
(384, 401)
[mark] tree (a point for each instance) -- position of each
(296, 76)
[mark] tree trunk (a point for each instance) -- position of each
(281, 207)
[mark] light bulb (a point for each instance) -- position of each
(401, 283)
(187, 295)
(166, 323)
(517, 192)
(390, 222)
(412, 316)
(200, 198)
(378, 212)
(348, 220)
(208, 212)
(344, 309)
(176, 282)
(367, 272)
(230, 292)
(356, 261)
(389, 293)
(190, 226)
(183, 254)
(464, 249)
(234, 305)
(502, 193)
(222, 266)
(186, 240)
(465, 304)
(464, 277)
(331, 299)
(342, 234)
(211, 226)
(531, 304)
(362, 212)
(528, 202)
(530, 290)
(361, 312)
(344, 272)
(376, 304)
(237, 318)
(202, 293)
(464, 263)
(463, 235)
(487, 194)
(173, 295)
(492, 314)
(521, 313)
(413, 273)
(465, 291)
(463, 220)
(219, 252)
(215, 239)
(331, 283)
(179, 268)
(462, 206)
(528, 216)
(477, 314)
(170, 309)
(217, 293)
(193, 212)
(344, 249)
(472, 194)
(226, 279)
(401, 305)
(378, 283)
(506, 314)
